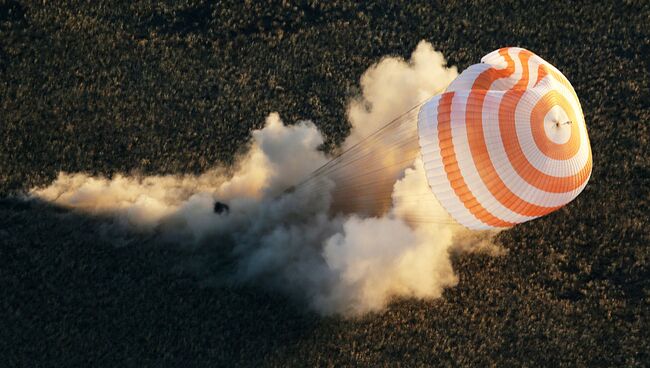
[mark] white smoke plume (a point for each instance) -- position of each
(393, 86)
(347, 264)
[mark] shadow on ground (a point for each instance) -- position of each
(73, 298)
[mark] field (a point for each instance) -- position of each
(176, 88)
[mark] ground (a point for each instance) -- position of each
(107, 88)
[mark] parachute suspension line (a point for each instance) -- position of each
(365, 173)
(359, 146)
(341, 168)
(373, 162)
(356, 147)
(395, 146)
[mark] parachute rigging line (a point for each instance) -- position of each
(341, 156)
(365, 173)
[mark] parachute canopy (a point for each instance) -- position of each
(506, 142)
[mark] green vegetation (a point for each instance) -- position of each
(124, 86)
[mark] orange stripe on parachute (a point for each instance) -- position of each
(450, 162)
(478, 147)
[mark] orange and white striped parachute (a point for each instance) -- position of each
(506, 142)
